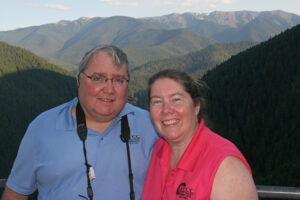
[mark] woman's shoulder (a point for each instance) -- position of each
(216, 143)
(232, 173)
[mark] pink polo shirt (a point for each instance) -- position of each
(194, 175)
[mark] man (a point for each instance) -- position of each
(56, 159)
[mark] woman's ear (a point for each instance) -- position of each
(197, 108)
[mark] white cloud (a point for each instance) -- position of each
(120, 3)
(51, 6)
(8, 28)
(226, 1)
(212, 5)
(219, 1)
(56, 6)
(176, 2)
(188, 3)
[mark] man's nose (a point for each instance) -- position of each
(108, 86)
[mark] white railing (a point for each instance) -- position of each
(263, 191)
(278, 192)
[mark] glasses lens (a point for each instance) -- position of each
(101, 80)
(118, 82)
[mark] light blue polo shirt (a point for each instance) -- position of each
(51, 159)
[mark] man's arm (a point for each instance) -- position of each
(233, 181)
(9, 194)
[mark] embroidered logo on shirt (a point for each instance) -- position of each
(183, 192)
(134, 139)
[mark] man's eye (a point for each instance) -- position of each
(97, 78)
(118, 80)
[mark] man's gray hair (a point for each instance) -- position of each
(118, 56)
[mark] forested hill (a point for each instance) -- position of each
(28, 86)
(15, 59)
(196, 63)
(255, 102)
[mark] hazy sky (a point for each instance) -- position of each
(22, 13)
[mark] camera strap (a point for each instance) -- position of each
(125, 137)
(82, 133)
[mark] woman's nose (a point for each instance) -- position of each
(167, 108)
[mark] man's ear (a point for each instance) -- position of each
(78, 82)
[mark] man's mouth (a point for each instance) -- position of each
(106, 100)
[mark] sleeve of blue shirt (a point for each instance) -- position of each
(22, 177)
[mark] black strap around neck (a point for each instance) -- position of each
(125, 137)
(81, 123)
(82, 133)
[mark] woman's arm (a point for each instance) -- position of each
(9, 194)
(233, 181)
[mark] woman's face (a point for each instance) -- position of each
(173, 111)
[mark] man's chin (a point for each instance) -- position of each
(108, 116)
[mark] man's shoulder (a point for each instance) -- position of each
(134, 107)
(136, 111)
(140, 119)
(54, 112)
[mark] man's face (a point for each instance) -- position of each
(102, 102)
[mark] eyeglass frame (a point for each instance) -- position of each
(106, 79)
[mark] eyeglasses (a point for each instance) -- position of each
(99, 79)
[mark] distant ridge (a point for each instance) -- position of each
(196, 63)
(147, 39)
(231, 26)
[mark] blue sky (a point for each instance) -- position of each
(22, 13)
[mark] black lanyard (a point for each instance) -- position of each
(125, 137)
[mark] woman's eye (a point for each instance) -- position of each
(156, 102)
(176, 100)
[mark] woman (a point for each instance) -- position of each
(190, 161)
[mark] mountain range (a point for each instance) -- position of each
(231, 26)
(147, 39)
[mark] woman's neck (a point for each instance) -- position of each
(178, 148)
